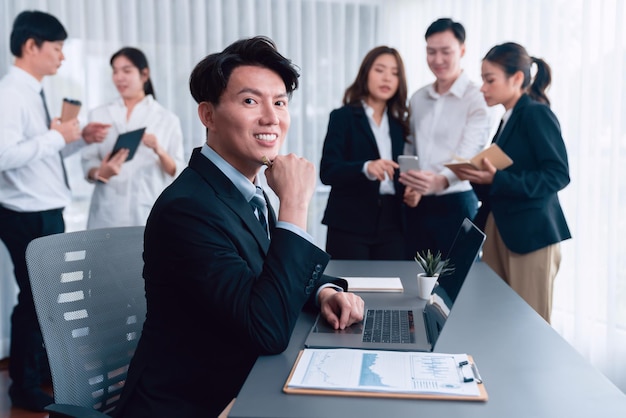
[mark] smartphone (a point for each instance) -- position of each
(408, 162)
(70, 109)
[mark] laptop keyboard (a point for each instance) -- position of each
(388, 326)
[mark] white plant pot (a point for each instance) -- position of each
(425, 285)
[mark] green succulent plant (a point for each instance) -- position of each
(433, 264)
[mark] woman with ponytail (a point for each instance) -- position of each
(125, 190)
(520, 213)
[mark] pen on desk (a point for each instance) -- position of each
(266, 161)
(477, 376)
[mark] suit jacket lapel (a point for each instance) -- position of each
(395, 132)
(397, 137)
(506, 132)
(226, 191)
(363, 125)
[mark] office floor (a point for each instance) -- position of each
(5, 404)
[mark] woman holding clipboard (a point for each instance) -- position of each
(126, 188)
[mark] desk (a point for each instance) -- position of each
(528, 369)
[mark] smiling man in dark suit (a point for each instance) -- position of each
(223, 287)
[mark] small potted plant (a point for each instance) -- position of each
(434, 266)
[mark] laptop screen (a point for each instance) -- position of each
(462, 254)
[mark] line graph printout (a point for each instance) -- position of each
(384, 371)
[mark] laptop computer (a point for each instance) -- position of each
(418, 329)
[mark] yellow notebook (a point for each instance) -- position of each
(494, 153)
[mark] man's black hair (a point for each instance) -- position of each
(209, 78)
(37, 25)
(444, 24)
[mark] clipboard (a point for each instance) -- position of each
(496, 156)
(475, 376)
(129, 140)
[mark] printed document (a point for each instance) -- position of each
(385, 371)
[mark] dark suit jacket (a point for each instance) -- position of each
(353, 202)
(219, 294)
(523, 198)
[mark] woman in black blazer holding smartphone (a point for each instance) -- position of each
(521, 213)
(359, 162)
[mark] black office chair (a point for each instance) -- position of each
(90, 301)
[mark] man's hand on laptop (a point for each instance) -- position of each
(340, 309)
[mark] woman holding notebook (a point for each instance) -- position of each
(126, 189)
(521, 214)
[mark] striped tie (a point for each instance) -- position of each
(260, 205)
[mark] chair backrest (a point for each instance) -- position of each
(90, 301)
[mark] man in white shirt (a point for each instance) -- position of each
(449, 118)
(34, 187)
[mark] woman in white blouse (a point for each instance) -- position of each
(126, 190)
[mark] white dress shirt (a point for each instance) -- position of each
(443, 126)
(383, 142)
(31, 173)
(127, 198)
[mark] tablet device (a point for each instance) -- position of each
(129, 140)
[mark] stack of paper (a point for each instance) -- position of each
(374, 284)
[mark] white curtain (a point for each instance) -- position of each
(584, 41)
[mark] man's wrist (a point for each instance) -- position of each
(101, 179)
(294, 214)
(96, 177)
(330, 286)
(443, 182)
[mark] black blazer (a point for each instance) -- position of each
(219, 294)
(354, 200)
(523, 198)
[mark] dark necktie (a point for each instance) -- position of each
(45, 107)
(258, 202)
(48, 121)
